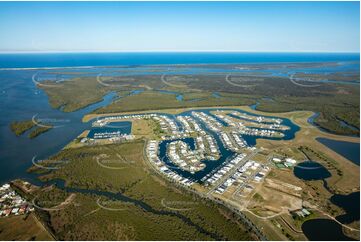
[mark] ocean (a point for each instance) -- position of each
(37, 60)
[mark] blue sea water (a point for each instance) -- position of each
(36, 60)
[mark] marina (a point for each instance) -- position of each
(179, 155)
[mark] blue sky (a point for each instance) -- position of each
(180, 26)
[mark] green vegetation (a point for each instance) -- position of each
(25, 227)
(157, 130)
(75, 93)
(313, 155)
(20, 127)
(335, 102)
(87, 221)
(83, 219)
(298, 221)
(152, 100)
(332, 110)
(38, 131)
(337, 76)
(257, 197)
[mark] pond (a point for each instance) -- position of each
(323, 230)
(349, 150)
(310, 170)
(350, 204)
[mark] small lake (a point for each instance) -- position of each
(349, 150)
(323, 230)
(350, 204)
(310, 170)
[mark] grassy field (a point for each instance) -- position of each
(22, 228)
(121, 168)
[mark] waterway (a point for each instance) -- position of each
(311, 120)
(22, 100)
(225, 154)
(110, 196)
(349, 150)
(213, 165)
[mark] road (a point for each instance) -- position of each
(232, 171)
(243, 217)
(249, 178)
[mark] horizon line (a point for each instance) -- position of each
(171, 51)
